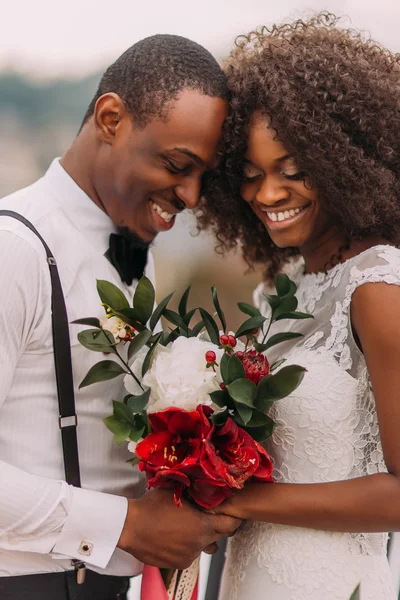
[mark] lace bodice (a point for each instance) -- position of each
(327, 430)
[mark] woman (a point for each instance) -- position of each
(312, 170)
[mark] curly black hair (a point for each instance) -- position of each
(152, 73)
(333, 97)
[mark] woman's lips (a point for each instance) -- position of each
(286, 221)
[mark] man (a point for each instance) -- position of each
(149, 135)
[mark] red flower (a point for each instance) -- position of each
(256, 365)
(187, 452)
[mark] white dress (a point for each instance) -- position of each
(327, 430)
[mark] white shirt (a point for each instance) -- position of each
(43, 520)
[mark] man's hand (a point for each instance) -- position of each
(159, 533)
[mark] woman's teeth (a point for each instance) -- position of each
(283, 216)
(163, 214)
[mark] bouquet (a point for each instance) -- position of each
(196, 409)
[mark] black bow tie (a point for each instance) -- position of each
(127, 257)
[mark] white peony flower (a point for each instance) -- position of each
(178, 376)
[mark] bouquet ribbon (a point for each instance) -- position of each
(184, 584)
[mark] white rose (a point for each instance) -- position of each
(178, 376)
(132, 446)
(114, 325)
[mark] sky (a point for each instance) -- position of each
(48, 38)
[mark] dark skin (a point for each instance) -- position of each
(366, 504)
(124, 170)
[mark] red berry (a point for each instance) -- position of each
(232, 340)
(240, 355)
(255, 332)
(211, 357)
(222, 386)
(224, 340)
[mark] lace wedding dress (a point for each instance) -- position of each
(327, 430)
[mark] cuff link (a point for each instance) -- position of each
(85, 548)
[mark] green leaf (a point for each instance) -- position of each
(149, 355)
(277, 364)
(143, 300)
(133, 461)
(248, 309)
(287, 304)
(278, 338)
(250, 325)
(231, 368)
(122, 412)
(293, 315)
(182, 308)
(259, 347)
(172, 336)
(157, 314)
(137, 404)
(99, 340)
(273, 301)
(221, 398)
(242, 391)
(188, 317)
(220, 418)
(111, 295)
(244, 411)
(138, 342)
(102, 371)
(92, 321)
(136, 434)
(175, 318)
(356, 594)
(210, 326)
(282, 284)
(196, 329)
(218, 308)
(259, 419)
(121, 430)
(260, 434)
(278, 386)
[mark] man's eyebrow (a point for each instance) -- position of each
(191, 155)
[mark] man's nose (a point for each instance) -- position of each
(188, 191)
(271, 192)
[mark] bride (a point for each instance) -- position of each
(311, 170)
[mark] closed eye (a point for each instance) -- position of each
(300, 176)
(175, 169)
(250, 173)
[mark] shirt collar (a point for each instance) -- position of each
(86, 216)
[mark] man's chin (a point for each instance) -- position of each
(139, 240)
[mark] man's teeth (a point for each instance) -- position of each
(283, 216)
(163, 214)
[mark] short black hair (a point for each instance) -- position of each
(153, 72)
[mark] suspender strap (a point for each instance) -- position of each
(67, 420)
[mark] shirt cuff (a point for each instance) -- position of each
(93, 527)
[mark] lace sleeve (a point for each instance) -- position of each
(380, 265)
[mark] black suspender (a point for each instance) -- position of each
(67, 420)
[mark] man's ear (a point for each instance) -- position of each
(107, 115)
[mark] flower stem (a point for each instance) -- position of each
(129, 369)
(269, 327)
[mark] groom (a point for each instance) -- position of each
(150, 133)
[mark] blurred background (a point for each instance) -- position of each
(52, 55)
